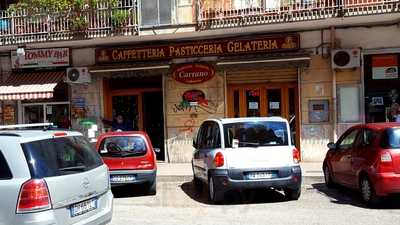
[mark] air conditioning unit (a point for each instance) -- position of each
(78, 75)
(346, 58)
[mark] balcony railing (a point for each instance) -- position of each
(21, 26)
(285, 11)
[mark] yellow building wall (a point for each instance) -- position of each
(183, 122)
(316, 84)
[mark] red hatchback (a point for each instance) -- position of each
(130, 158)
(366, 157)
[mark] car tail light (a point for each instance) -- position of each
(385, 162)
(60, 134)
(34, 196)
(219, 159)
(296, 155)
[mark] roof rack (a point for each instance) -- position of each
(18, 126)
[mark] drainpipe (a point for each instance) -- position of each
(334, 94)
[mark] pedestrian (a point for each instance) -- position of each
(119, 124)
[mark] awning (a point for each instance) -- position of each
(27, 86)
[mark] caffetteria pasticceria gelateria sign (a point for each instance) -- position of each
(217, 47)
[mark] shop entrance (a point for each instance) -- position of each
(140, 103)
(49, 112)
(268, 99)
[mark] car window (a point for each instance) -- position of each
(215, 140)
(348, 140)
(123, 146)
(60, 156)
(254, 134)
(365, 138)
(206, 136)
(391, 138)
(5, 172)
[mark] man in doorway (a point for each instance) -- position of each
(119, 124)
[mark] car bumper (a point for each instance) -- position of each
(102, 216)
(387, 183)
(141, 176)
(223, 180)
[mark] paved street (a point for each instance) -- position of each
(177, 203)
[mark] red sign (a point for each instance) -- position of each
(193, 73)
(195, 96)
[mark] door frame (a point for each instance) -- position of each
(263, 87)
(127, 92)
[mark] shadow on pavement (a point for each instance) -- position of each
(128, 191)
(235, 197)
(346, 196)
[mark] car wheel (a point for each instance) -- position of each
(198, 184)
(368, 193)
(328, 177)
(152, 188)
(292, 194)
(214, 195)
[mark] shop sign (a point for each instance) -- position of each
(37, 58)
(194, 97)
(193, 73)
(217, 47)
(385, 67)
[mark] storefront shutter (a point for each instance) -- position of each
(262, 76)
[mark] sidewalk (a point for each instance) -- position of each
(310, 169)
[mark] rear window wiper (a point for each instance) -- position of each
(73, 168)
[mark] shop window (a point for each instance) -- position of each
(157, 12)
(382, 87)
(349, 104)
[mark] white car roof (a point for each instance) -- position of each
(252, 119)
(34, 135)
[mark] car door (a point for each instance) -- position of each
(362, 155)
(205, 146)
(197, 164)
(341, 161)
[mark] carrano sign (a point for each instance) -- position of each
(193, 73)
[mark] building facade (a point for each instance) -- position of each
(203, 61)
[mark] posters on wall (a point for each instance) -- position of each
(385, 67)
(8, 114)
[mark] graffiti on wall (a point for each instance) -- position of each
(195, 101)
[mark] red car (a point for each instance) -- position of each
(130, 158)
(366, 157)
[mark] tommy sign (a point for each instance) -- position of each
(193, 73)
(36, 58)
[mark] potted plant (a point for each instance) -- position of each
(120, 20)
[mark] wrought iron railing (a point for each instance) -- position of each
(22, 26)
(284, 11)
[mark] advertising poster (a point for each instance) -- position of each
(385, 67)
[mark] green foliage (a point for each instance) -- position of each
(76, 11)
(119, 18)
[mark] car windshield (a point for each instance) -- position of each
(60, 156)
(392, 138)
(123, 146)
(255, 134)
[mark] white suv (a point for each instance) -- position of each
(52, 177)
(246, 153)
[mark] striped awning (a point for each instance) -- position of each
(28, 86)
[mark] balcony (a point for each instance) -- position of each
(286, 11)
(21, 26)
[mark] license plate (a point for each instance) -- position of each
(122, 178)
(83, 207)
(261, 175)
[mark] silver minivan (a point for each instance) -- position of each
(52, 177)
(246, 153)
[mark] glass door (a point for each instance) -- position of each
(33, 113)
(274, 102)
(127, 107)
(253, 102)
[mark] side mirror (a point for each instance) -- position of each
(194, 144)
(157, 150)
(331, 146)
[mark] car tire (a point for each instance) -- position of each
(328, 177)
(198, 185)
(292, 194)
(214, 195)
(152, 188)
(367, 191)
